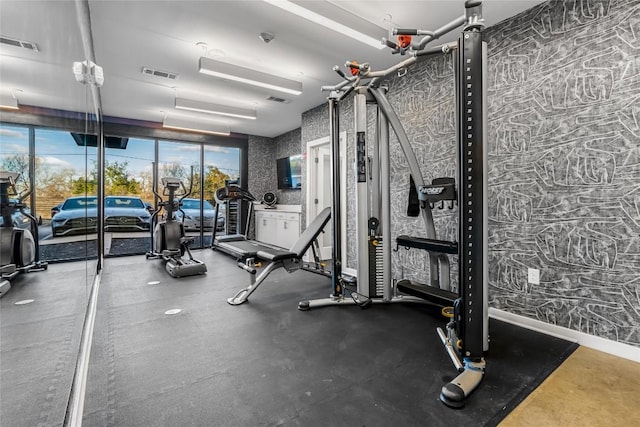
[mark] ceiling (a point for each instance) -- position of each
(130, 35)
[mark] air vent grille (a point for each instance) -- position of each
(276, 99)
(159, 73)
(19, 43)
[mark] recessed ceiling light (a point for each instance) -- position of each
(181, 123)
(247, 75)
(321, 17)
(222, 110)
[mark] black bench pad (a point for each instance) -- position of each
(432, 294)
(276, 255)
(431, 245)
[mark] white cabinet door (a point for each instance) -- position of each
(277, 228)
(265, 227)
(288, 230)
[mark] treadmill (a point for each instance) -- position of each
(235, 244)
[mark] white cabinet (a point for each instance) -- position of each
(277, 228)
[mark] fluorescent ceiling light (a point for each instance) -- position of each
(322, 19)
(179, 123)
(246, 75)
(222, 110)
(8, 102)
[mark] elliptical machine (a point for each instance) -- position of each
(19, 251)
(168, 240)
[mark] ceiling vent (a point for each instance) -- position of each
(19, 43)
(280, 100)
(158, 73)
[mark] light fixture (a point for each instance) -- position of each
(180, 123)
(222, 110)
(247, 75)
(321, 13)
(8, 102)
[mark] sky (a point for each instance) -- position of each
(59, 150)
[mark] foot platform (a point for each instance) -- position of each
(454, 393)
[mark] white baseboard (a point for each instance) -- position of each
(618, 349)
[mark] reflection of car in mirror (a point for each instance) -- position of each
(191, 209)
(76, 215)
(79, 215)
(55, 209)
(126, 213)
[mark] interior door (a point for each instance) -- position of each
(322, 194)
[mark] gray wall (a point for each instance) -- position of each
(263, 153)
(262, 166)
(564, 163)
(287, 145)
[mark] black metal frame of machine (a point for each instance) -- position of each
(466, 337)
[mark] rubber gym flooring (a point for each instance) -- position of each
(266, 363)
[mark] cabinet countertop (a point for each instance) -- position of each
(278, 208)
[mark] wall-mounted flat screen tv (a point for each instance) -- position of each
(289, 170)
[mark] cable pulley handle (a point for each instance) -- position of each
(389, 43)
(340, 72)
(405, 32)
(355, 65)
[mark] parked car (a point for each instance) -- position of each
(77, 215)
(149, 207)
(56, 209)
(191, 209)
(126, 213)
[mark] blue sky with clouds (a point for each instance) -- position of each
(59, 150)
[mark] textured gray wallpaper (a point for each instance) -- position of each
(263, 153)
(262, 165)
(564, 163)
(287, 145)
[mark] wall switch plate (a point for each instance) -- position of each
(534, 276)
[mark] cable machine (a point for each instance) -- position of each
(466, 336)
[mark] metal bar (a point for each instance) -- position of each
(461, 20)
(336, 218)
(485, 204)
(338, 86)
(201, 196)
(75, 405)
(362, 203)
(471, 196)
(450, 351)
(385, 203)
(84, 22)
(243, 295)
(32, 186)
(415, 171)
(100, 196)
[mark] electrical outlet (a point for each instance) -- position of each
(534, 276)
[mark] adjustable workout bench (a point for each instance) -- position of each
(291, 260)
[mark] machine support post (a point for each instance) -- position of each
(471, 196)
(385, 204)
(336, 275)
(470, 326)
(362, 192)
